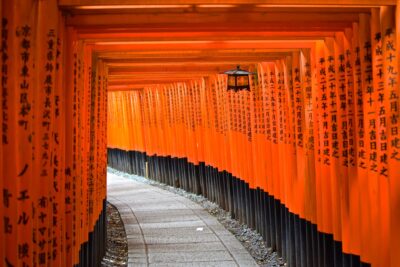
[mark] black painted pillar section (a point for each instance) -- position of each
(92, 252)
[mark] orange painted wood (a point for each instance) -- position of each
(318, 131)
(394, 182)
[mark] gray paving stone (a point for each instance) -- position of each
(180, 239)
(189, 256)
(234, 247)
(136, 251)
(130, 220)
(198, 223)
(247, 263)
(133, 229)
(172, 218)
(141, 214)
(241, 256)
(177, 231)
(197, 264)
(133, 245)
(131, 264)
(138, 261)
(206, 246)
(135, 239)
(229, 239)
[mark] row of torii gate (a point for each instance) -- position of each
(309, 157)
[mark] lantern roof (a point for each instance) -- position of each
(238, 71)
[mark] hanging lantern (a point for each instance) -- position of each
(238, 79)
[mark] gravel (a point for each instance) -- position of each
(250, 238)
(117, 243)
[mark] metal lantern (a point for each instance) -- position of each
(238, 79)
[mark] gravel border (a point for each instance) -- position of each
(251, 239)
(117, 242)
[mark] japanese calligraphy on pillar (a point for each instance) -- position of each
(248, 96)
(24, 37)
(9, 112)
(274, 106)
(350, 107)
(332, 107)
(256, 104)
(369, 101)
(299, 111)
(267, 104)
(323, 105)
(287, 102)
(359, 109)
(57, 158)
(8, 192)
(280, 99)
(308, 103)
(47, 97)
(291, 126)
(377, 124)
(391, 83)
(343, 129)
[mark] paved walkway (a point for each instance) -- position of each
(165, 229)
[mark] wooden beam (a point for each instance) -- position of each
(140, 86)
(202, 45)
(128, 31)
(229, 19)
(222, 60)
(243, 27)
(175, 68)
(94, 37)
(133, 87)
(219, 37)
(142, 54)
(180, 9)
(165, 75)
(74, 3)
(114, 76)
(152, 81)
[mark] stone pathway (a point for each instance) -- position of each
(165, 229)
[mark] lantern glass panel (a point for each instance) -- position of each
(242, 80)
(231, 80)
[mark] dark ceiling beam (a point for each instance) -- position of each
(193, 54)
(74, 3)
(228, 19)
(202, 45)
(222, 60)
(174, 68)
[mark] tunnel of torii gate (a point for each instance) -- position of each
(309, 156)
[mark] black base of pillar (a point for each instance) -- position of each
(93, 251)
